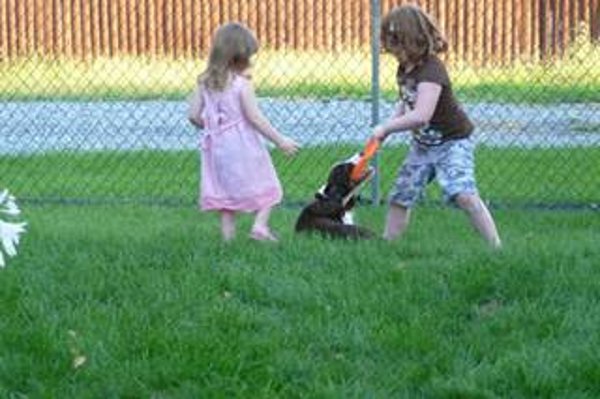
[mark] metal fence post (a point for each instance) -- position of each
(375, 92)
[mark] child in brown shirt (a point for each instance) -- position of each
(442, 146)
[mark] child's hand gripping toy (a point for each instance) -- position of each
(327, 213)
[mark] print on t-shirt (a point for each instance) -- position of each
(425, 135)
(449, 121)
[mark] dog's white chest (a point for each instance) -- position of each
(348, 218)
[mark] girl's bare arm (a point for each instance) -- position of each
(261, 123)
(428, 95)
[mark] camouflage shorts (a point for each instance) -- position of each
(452, 164)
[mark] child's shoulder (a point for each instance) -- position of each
(434, 62)
(245, 74)
(240, 79)
(433, 69)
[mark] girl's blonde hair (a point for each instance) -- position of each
(410, 34)
(233, 46)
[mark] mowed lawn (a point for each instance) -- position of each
(146, 302)
(342, 74)
(111, 298)
(506, 176)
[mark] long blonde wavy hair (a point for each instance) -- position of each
(410, 34)
(233, 46)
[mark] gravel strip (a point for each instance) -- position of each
(35, 127)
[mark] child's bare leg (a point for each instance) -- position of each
(261, 221)
(228, 225)
(260, 228)
(480, 217)
(396, 222)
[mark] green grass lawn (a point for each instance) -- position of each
(505, 176)
(135, 301)
(345, 74)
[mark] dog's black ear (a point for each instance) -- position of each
(334, 192)
(339, 175)
(338, 182)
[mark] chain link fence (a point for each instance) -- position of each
(94, 94)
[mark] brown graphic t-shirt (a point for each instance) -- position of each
(449, 120)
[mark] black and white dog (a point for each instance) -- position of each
(330, 212)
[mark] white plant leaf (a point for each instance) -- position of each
(3, 195)
(9, 236)
(10, 231)
(11, 208)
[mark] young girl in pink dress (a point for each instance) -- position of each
(237, 173)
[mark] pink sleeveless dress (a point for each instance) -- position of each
(237, 172)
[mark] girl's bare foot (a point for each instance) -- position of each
(263, 234)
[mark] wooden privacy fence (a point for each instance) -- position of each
(480, 31)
